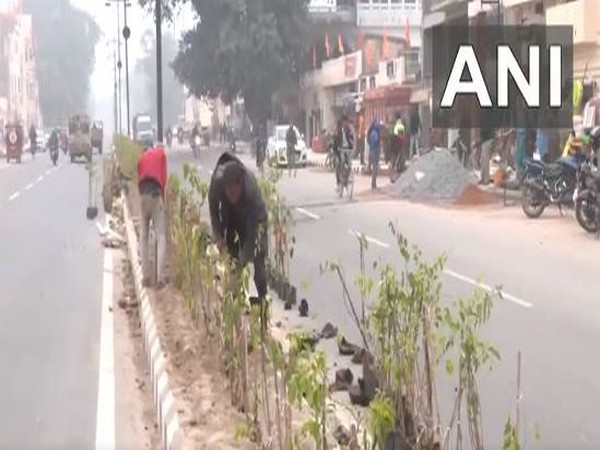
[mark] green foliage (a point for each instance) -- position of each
(66, 40)
(381, 419)
(511, 439)
(145, 71)
(128, 153)
(244, 47)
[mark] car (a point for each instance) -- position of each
(40, 140)
(277, 148)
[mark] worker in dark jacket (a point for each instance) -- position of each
(239, 217)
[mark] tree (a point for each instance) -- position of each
(66, 39)
(146, 70)
(251, 48)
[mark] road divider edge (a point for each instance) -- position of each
(164, 401)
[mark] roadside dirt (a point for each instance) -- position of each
(206, 415)
(136, 426)
(474, 196)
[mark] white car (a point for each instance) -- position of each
(277, 147)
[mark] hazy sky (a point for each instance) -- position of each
(102, 81)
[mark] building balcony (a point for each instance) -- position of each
(582, 15)
(390, 13)
(332, 11)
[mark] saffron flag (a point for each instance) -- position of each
(340, 44)
(407, 37)
(327, 48)
(384, 45)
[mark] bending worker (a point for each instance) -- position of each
(152, 182)
(239, 217)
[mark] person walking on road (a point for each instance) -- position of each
(360, 143)
(291, 140)
(374, 140)
(415, 131)
(152, 181)
(239, 217)
(32, 140)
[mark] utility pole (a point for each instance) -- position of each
(159, 90)
(126, 35)
(115, 89)
(119, 64)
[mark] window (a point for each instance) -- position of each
(363, 84)
(390, 69)
(372, 83)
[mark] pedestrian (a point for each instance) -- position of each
(542, 143)
(486, 140)
(415, 131)
(374, 140)
(398, 144)
(32, 139)
(239, 217)
(291, 140)
(344, 145)
(152, 181)
(360, 143)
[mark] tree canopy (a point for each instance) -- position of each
(250, 48)
(146, 70)
(66, 39)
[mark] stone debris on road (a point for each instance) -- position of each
(346, 348)
(437, 175)
(303, 308)
(343, 380)
(329, 331)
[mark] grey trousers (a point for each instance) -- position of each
(153, 210)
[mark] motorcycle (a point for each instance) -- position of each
(196, 145)
(54, 153)
(549, 184)
(587, 190)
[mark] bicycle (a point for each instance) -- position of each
(346, 174)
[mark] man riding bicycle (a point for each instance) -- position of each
(343, 148)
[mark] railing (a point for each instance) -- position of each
(334, 12)
(388, 14)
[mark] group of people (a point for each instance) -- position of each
(238, 214)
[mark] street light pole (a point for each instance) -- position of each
(159, 93)
(115, 91)
(126, 34)
(119, 65)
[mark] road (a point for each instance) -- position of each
(547, 268)
(59, 373)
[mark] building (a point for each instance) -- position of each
(19, 91)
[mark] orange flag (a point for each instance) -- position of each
(368, 54)
(314, 55)
(340, 44)
(407, 37)
(384, 45)
(327, 48)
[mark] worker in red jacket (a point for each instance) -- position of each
(152, 181)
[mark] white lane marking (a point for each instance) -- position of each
(48, 172)
(105, 413)
(210, 172)
(15, 195)
(200, 166)
(306, 212)
(505, 295)
(370, 239)
(39, 179)
(29, 186)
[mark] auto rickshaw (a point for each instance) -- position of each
(13, 137)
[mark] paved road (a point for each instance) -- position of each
(549, 273)
(52, 280)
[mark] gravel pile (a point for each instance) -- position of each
(436, 175)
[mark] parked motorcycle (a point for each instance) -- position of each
(587, 190)
(549, 184)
